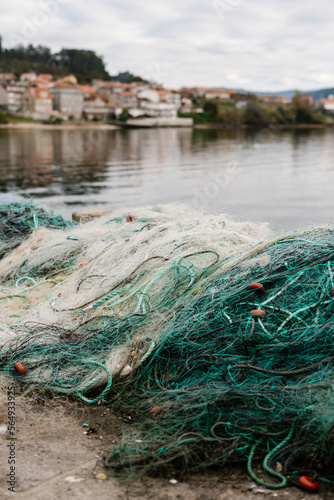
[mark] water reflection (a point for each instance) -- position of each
(283, 176)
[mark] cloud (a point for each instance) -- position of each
(265, 45)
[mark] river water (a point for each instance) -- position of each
(285, 177)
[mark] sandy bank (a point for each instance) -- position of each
(60, 126)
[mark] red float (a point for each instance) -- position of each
(257, 287)
(155, 411)
(130, 218)
(19, 368)
(307, 485)
(258, 313)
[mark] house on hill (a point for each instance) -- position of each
(326, 105)
(28, 77)
(125, 99)
(7, 78)
(218, 95)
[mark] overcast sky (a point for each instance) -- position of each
(253, 44)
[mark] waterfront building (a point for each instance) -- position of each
(37, 103)
(3, 97)
(15, 98)
(68, 100)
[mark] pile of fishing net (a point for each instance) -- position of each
(211, 338)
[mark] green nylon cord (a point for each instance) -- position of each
(270, 471)
(102, 395)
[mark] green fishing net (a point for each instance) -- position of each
(156, 318)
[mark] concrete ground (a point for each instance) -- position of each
(56, 459)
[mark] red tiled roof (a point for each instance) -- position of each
(104, 96)
(127, 85)
(86, 89)
(108, 84)
(222, 91)
(45, 76)
(92, 97)
(65, 85)
(37, 91)
(117, 84)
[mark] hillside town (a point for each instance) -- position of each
(41, 97)
(44, 97)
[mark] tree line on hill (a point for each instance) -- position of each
(85, 65)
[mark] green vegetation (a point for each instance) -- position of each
(256, 114)
(83, 64)
(125, 115)
(8, 118)
(3, 118)
(197, 117)
(127, 77)
(53, 120)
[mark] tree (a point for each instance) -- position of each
(84, 64)
(212, 108)
(255, 116)
(303, 110)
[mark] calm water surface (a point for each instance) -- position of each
(285, 177)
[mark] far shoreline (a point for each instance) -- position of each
(58, 126)
(216, 126)
(110, 126)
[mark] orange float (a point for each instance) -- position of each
(258, 313)
(256, 287)
(155, 411)
(307, 485)
(20, 369)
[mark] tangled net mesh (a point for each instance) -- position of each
(153, 317)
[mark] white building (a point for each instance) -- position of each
(3, 97)
(68, 100)
(158, 109)
(186, 104)
(149, 95)
(199, 91)
(15, 98)
(37, 103)
(125, 99)
(326, 104)
(172, 97)
(95, 107)
(218, 95)
(28, 77)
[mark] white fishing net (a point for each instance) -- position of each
(113, 268)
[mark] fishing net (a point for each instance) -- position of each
(19, 219)
(153, 313)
